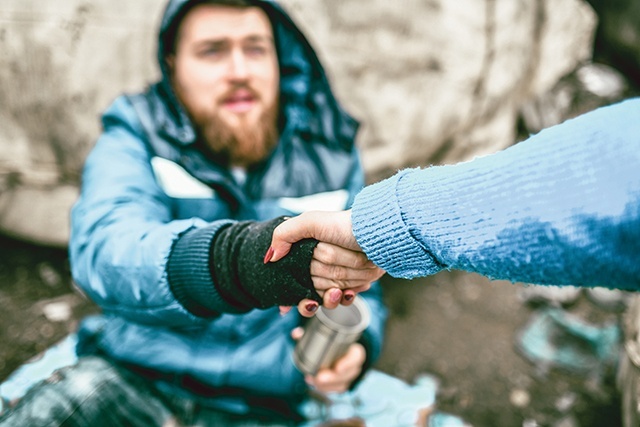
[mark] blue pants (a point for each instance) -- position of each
(96, 393)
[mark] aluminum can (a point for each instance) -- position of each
(329, 334)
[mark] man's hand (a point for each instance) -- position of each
(337, 378)
(335, 268)
(338, 274)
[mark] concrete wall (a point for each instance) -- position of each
(433, 81)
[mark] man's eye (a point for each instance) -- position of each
(211, 52)
(256, 50)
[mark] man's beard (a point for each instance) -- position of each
(244, 145)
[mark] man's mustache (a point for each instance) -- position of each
(239, 86)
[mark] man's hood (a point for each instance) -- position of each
(307, 103)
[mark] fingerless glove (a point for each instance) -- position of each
(245, 282)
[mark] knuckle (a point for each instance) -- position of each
(277, 232)
(359, 261)
(331, 253)
(322, 252)
(338, 273)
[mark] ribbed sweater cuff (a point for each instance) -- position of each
(189, 275)
(381, 232)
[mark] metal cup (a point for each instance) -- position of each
(329, 334)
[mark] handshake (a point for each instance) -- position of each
(309, 260)
(339, 268)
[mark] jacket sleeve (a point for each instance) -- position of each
(560, 208)
(122, 229)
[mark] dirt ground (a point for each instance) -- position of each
(35, 283)
(463, 328)
(459, 327)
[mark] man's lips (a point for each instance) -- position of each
(239, 101)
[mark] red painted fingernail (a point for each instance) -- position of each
(312, 307)
(349, 296)
(268, 255)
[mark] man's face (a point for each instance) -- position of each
(225, 73)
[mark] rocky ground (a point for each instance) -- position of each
(461, 328)
(465, 329)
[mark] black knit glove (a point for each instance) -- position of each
(245, 282)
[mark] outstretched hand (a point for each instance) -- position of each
(339, 268)
(328, 227)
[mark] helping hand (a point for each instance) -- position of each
(339, 268)
(329, 227)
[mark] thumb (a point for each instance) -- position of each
(290, 231)
(297, 333)
(329, 227)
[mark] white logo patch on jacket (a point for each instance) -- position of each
(177, 182)
(327, 201)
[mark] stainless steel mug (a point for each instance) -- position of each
(329, 334)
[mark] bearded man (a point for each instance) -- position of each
(179, 199)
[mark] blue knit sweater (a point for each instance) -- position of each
(562, 207)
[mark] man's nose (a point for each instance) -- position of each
(238, 67)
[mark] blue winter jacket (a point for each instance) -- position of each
(146, 184)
